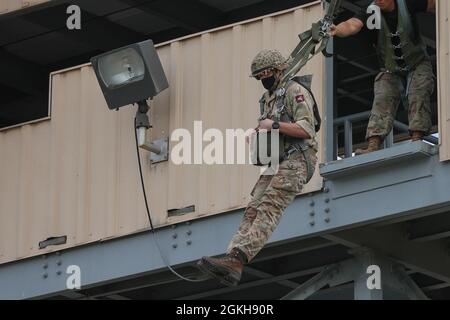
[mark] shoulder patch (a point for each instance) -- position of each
(300, 98)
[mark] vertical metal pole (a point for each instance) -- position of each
(389, 141)
(364, 258)
(348, 130)
(330, 130)
(362, 292)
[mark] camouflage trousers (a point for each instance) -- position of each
(270, 197)
(389, 90)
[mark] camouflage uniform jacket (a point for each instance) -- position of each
(299, 104)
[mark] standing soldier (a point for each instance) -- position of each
(272, 193)
(405, 68)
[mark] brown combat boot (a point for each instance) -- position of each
(417, 135)
(374, 145)
(227, 270)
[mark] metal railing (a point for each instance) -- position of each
(348, 121)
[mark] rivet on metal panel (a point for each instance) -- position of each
(327, 219)
(311, 203)
(327, 210)
(58, 273)
(45, 275)
(59, 262)
(326, 190)
(312, 213)
(174, 246)
(327, 200)
(189, 232)
(312, 223)
(45, 266)
(174, 236)
(189, 242)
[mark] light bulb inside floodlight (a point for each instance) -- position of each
(121, 68)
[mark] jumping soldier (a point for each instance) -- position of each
(291, 110)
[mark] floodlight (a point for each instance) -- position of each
(130, 74)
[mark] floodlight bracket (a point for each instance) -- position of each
(142, 120)
(158, 148)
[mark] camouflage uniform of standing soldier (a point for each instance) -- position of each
(405, 68)
(272, 193)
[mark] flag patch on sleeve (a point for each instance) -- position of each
(300, 98)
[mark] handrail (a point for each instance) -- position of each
(348, 121)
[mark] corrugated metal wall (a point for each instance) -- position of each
(443, 43)
(77, 175)
(12, 5)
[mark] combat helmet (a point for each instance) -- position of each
(266, 59)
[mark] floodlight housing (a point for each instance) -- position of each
(130, 74)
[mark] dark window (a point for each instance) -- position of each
(23, 90)
(356, 65)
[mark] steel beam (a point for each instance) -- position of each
(314, 284)
(429, 258)
(436, 287)
(138, 283)
(355, 270)
(265, 275)
(272, 252)
(252, 284)
(430, 228)
(342, 292)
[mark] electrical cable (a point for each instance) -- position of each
(152, 229)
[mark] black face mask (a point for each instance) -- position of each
(269, 82)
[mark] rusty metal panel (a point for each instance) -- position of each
(76, 174)
(7, 6)
(443, 43)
